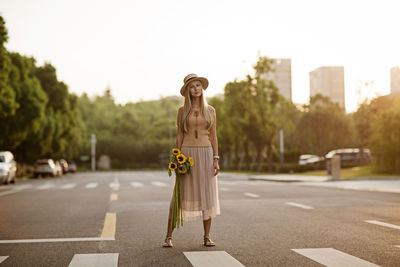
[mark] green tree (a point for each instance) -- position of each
(323, 127)
(385, 138)
(8, 102)
(25, 123)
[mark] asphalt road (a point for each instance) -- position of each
(119, 219)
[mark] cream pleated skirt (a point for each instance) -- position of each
(199, 189)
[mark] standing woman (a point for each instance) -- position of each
(197, 138)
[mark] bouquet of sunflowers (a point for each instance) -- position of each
(181, 165)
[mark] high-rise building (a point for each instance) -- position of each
(328, 81)
(395, 81)
(282, 76)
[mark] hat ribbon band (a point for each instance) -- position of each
(191, 78)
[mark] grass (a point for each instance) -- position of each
(355, 172)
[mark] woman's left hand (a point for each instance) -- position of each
(216, 167)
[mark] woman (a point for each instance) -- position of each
(197, 138)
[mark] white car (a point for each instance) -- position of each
(8, 167)
(309, 159)
(45, 167)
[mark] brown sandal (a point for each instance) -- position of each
(168, 242)
(208, 242)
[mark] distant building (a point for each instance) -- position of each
(282, 76)
(395, 81)
(328, 81)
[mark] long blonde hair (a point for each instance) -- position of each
(187, 107)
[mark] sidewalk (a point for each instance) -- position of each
(389, 184)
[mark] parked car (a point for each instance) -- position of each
(351, 156)
(309, 159)
(71, 166)
(8, 167)
(64, 165)
(58, 168)
(45, 167)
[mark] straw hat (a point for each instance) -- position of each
(193, 77)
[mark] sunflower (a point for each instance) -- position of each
(181, 158)
(191, 161)
(176, 151)
(172, 166)
(181, 169)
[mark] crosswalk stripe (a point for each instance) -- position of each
(45, 186)
(9, 192)
(299, 205)
(333, 258)
(136, 184)
(3, 258)
(251, 195)
(384, 224)
(91, 185)
(211, 258)
(46, 240)
(94, 260)
(22, 187)
(159, 184)
(114, 185)
(67, 186)
(227, 182)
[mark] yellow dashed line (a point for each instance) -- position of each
(109, 225)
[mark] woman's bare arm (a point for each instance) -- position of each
(179, 136)
(213, 133)
(214, 141)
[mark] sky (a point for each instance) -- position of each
(143, 49)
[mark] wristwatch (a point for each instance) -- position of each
(216, 157)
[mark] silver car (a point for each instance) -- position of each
(8, 167)
(45, 167)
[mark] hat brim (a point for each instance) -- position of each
(204, 83)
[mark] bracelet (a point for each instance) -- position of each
(216, 157)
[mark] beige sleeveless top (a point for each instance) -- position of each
(203, 134)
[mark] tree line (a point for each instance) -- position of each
(41, 118)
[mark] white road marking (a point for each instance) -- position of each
(136, 184)
(227, 182)
(251, 195)
(299, 205)
(224, 189)
(211, 258)
(114, 185)
(113, 197)
(3, 258)
(384, 224)
(22, 186)
(45, 186)
(15, 189)
(333, 258)
(91, 185)
(44, 240)
(67, 186)
(159, 184)
(94, 260)
(9, 192)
